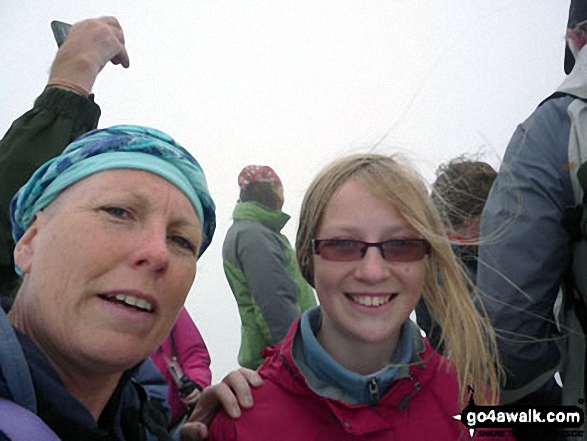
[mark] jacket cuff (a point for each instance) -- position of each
(71, 105)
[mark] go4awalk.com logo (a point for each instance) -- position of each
(501, 420)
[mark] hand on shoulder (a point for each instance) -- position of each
(232, 393)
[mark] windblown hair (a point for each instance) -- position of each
(461, 189)
(469, 339)
(262, 193)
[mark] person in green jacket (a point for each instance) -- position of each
(64, 111)
(260, 265)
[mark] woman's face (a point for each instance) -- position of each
(365, 302)
(107, 266)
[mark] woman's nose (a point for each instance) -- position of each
(152, 252)
(372, 268)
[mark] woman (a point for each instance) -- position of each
(356, 367)
(59, 116)
(108, 237)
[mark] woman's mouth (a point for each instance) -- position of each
(371, 300)
(130, 301)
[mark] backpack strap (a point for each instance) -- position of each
(575, 221)
(20, 424)
(153, 415)
(14, 367)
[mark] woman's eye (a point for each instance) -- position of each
(118, 212)
(345, 244)
(184, 243)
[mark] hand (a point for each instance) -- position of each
(192, 398)
(231, 393)
(88, 47)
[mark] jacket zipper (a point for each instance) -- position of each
(373, 391)
(404, 402)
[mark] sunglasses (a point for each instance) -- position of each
(395, 250)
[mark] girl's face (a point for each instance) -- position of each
(366, 301)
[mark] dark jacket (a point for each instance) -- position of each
(57, 118)
(127, 417)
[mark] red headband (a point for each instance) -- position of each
(257, 173)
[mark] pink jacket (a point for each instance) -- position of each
(420, 407)
(193, 357)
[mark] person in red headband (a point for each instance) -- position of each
(260, 265)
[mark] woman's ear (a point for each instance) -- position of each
(25, 248)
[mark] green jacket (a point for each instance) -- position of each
(263, 274)
(57, 118)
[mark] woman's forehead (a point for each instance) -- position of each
(142, 186)
(355, 199)
(356, 190)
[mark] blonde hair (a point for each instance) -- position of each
(469, 339)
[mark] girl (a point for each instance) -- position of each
(356, 367)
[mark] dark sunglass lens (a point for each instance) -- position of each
(340, 250)
(404, 250)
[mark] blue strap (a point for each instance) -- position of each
(20, 424)
(14, 367)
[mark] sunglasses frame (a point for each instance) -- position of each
(366, 245)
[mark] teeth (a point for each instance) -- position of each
(134, 301)
(371, 301)
(143, 304)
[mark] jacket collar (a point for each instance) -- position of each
(253, 211)
(328, 378)
(358, 419)
(65, 415)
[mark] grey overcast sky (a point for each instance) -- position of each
(294, 84)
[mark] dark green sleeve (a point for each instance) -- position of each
(57, 118)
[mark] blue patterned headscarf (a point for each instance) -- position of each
(132, 147)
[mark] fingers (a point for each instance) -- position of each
(191, 398)
(240, 381)
(253, 377)
(231, 393)
(89, 46)
(122, 56)
(212, 399)
(122, 59)
(193, 432)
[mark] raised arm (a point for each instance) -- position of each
(60, 114)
